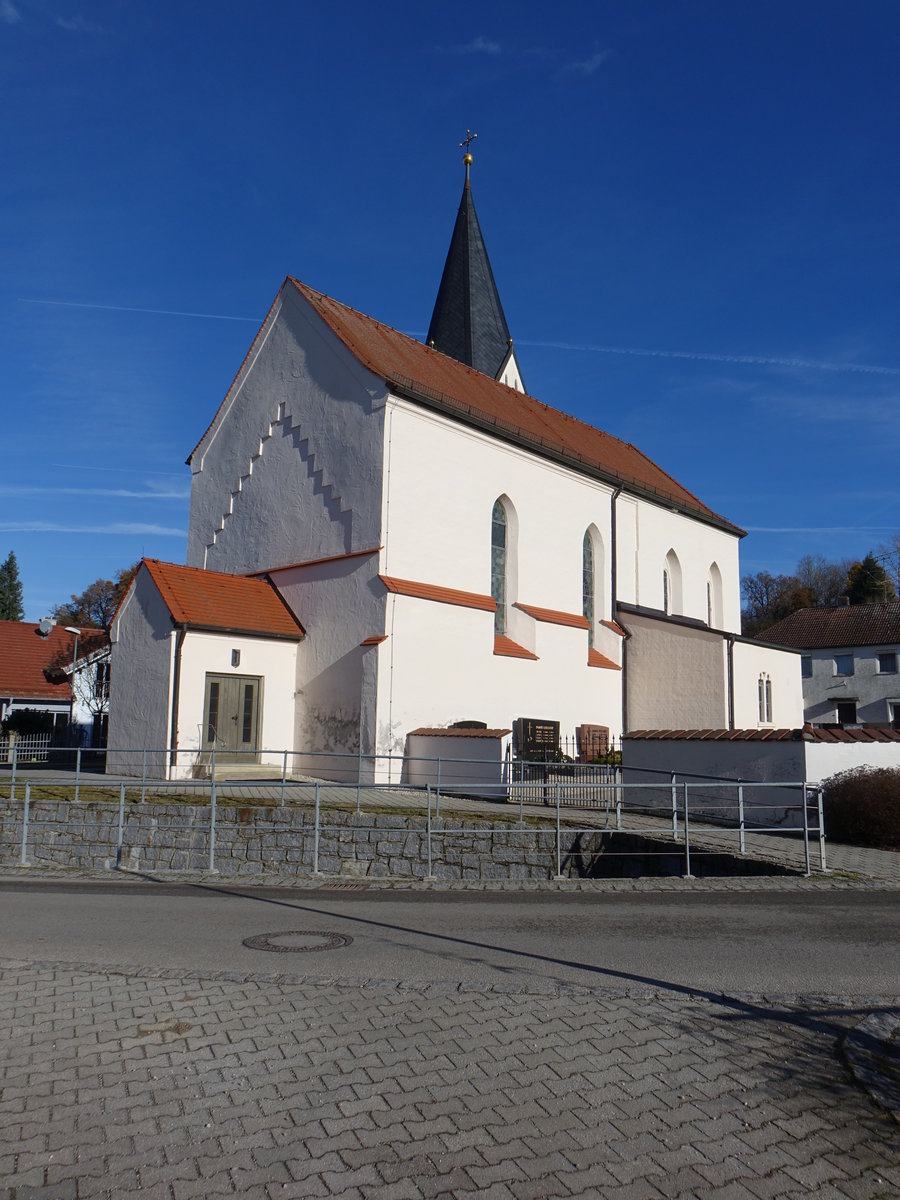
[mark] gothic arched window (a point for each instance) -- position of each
(588, 583)
(499, 564)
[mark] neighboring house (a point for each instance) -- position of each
(36, 672)
(203, 661)
(850, 660)
(457, 549)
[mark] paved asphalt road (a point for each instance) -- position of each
(825, 943)
(466, 1045)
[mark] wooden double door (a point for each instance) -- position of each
(231, 716)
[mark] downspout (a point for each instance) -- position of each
(176, 686)
(614, 603)
(729, 659)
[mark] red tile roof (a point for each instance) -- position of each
(375, 640)
(507, 648)
(25, 656)
(809, 733)
(425, 375)
(596, 659)
(227, 603)
(848, 625)
(554, 616)
(444, 595)
(615, 627)
(459, 733)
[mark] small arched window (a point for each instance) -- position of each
(672, 584)
(714, 617)
(499, 564)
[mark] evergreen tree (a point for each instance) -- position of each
(868, 583)
(12, 605)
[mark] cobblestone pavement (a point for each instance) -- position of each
(130, 1082)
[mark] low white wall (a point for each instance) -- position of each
(708, 765)
(474, 766)
(825, 758)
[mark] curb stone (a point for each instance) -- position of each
(871, 1050)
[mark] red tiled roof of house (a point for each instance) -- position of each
(425, 375)
(25, 656)
(847, 625)
(444, 595)
(554, 616)
(216, 601)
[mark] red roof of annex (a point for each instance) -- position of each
(212, 600)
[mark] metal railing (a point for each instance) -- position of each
(723, 825)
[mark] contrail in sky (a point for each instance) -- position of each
(751, 360)
(159, 312)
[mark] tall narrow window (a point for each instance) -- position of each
(764, 689)
(587, 584)
(499, 528)
(672, 584)
(714, 594)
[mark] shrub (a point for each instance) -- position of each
(25, 721)
(862, 807)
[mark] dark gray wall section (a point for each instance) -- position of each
(139, 701)
(296, 460)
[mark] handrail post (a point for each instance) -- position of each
(430, 874)
(437, 797)
(77, 772)
(805, 831)
(283, 776)
(15, 759)
(120, 837)
(144, 775)
(24, 859)
(359, 781)
(674, 808)
(559, 874)
(821, 808)
(316, 836)
(618, 797)
(741, 812)
(212, 822)
(687, 837)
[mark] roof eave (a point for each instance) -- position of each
(407, 390)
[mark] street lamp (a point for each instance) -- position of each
(77, 632)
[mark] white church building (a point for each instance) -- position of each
(449, 548)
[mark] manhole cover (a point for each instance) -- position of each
(298, 941)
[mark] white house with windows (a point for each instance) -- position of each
(458, 550)
(849, 664)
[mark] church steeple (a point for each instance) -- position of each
(468, 322)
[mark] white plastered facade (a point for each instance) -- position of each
(316, 472)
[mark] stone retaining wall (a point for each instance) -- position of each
(250, 840)
(253, 840)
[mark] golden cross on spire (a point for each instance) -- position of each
(467, 157)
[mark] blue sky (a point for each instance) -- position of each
(691, 210)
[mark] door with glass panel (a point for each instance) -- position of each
(231, 716)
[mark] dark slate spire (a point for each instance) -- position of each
(468, 322)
